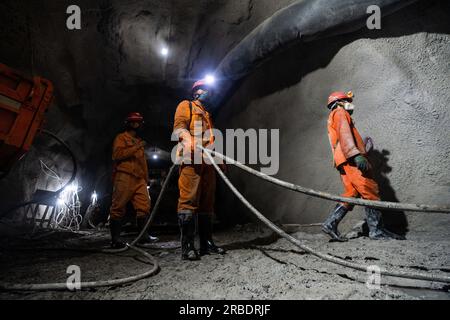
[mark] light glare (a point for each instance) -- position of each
(210, 79)
(165, 52)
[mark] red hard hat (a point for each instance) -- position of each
(340, 95)
(135, 117)
(198, 84)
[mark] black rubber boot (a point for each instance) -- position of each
(187, 228)
(146, 238)
(376, 229)
(207, 245)
(330, 226)
(115, 227)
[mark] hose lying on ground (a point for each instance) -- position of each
(105, 283)
(87, 285)
(152, 215)
(298, 243)
(395, 206)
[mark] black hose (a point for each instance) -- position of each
(72, 156)
(304, 20)
(56, 193)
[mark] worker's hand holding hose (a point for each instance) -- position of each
(362, 163)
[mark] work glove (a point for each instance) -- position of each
(362, 163)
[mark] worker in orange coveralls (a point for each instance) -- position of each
(350, 158)
(130, 178)
(197, 181)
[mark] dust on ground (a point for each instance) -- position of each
(258, 265)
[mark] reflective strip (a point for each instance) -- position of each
(10, 102)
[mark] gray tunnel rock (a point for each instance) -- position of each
(112, 66)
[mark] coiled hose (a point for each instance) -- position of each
(298, 243)
(101, 283)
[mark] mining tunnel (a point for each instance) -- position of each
(274, 64)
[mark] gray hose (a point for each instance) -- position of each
(106, 283)
(87, 285)
(152, 215)
(326, 257)
(328, 196)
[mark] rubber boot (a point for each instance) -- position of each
(376, 229)
(115, 227)
(330, 226)
(146, 238)
(207, 245)
(187, 229)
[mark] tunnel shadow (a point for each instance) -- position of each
(395, 221)
(289, 66)
(306, 57)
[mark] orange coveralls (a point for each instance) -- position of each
(346, 142)
(197, 182)
(130, 177)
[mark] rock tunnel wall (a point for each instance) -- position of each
(110, 67)
(400, 76)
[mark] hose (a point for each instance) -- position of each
(301, 21)
(87, 285)
(152, 215)
(328, 196)
(56, 193)
(106, 283)
(72, 156)
(298, 243)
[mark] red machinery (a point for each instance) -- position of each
(23, 102)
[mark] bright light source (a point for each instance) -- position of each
(210, 79)
(155, 157)
(165, 52)
(94, 198)
(72, 188)
(60, 202)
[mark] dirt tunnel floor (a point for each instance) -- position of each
(257, 266)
